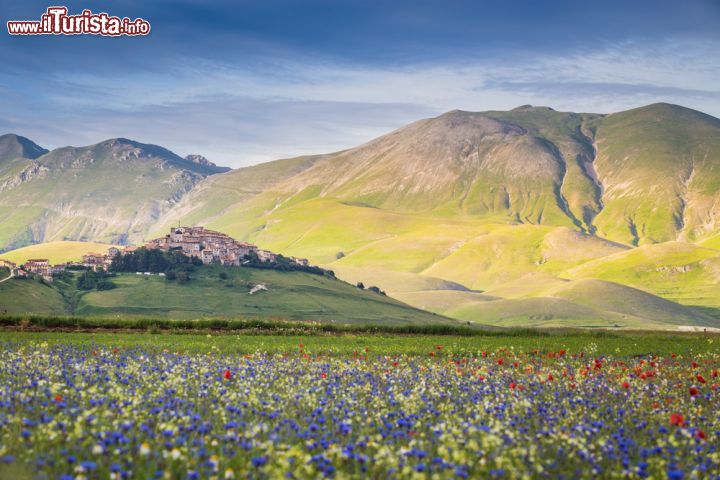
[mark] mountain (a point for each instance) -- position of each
(484, 216)
(485, 199)
(643, 176)
(111, 191)
(14, 147)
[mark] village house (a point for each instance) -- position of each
(39, 266)
(266, 256)
(207, 245)
(7, 264)
(97, 261)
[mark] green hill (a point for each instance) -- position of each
(289, 295)
(21, 297)
(454, 213)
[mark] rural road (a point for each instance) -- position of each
(7, 278)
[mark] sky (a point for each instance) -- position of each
(242, 82)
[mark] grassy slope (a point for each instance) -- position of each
(411, 255)
(681, 272)
(291, 295)
(660, 165)
(56, 252)
(19, 297)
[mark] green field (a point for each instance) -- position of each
(289, 295)
(600, 343)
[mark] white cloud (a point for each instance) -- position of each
(237, 115)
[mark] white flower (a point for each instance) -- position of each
(97, 449)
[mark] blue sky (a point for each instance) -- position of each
(243, 82)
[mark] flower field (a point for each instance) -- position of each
(98, 411)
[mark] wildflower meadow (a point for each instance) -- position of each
(70, 411)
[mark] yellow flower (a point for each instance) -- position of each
(145, 449)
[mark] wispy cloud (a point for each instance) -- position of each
(283, 106)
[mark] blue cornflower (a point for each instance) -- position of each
(259, 461)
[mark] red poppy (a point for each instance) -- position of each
(500, 361)
(695, 364)
(700, 434)
(323, 375)
(677, 420)
(395, 364)
(550, 377)
(58, 398)
(714, 373)
(700, 379)
(227, 375)
(626, 384)
(694, 391)
(513, 386)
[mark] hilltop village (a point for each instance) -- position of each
(208, 246)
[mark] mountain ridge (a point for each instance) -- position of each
(496, 201)
(108, 191)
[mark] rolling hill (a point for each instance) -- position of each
(492, 216)
(289, 295)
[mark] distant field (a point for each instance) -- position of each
(56, 252)
(602, 343)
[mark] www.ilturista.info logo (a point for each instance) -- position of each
(56, 21)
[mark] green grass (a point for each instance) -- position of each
(290, 295)
(635, 343)
(681, 272)
(19, 297)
